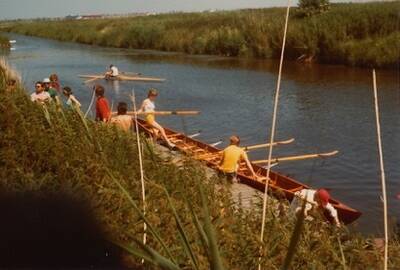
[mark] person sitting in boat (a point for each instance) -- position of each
(122, 120)
(40, 96)
(112, 72)
(148, 107)
(231, 158)
(71, 100)
(103, 112)
(317, 203)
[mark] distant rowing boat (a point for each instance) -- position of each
(279, 184)
(122, 78)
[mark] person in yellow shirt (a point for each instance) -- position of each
(231, 158)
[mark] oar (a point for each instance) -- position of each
(131, 73)
(216, 143)
(265, 145)
(195, 135)
(163, 113)
(301, 157)
(93, 79)
(272, 165)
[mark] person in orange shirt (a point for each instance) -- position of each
(231, 157)
(103, 112)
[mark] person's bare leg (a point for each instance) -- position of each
(162, 131)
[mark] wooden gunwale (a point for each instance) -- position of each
(280, 185)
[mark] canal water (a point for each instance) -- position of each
(323, 107)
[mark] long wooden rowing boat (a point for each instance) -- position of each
(123, 78)
(280, 185)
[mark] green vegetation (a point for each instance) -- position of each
(4, 42)
(352, 34)
(49, 149)
(312, 7)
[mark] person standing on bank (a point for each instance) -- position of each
(317, 203)
(122, 120)
(231, 158)
(103, 112)
(71, 100)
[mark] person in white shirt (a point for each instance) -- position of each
(40, 95)
(112, 73)
(122, 120)
(316, 201)
(149, 107)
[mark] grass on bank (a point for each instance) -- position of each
(55, 150)
(4, 42)
(364, 34)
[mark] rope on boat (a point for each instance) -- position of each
(382, 167)
(273, 130)
(91, 104)
(141, 168)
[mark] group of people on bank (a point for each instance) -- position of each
(49, 91)
(316, 201)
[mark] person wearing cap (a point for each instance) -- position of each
(103, 112)
(149, 107)
(122, 120)
(231, 157)
(52, 92)
(40, 96)
(112, 72)
(315, 201)
(71, 100)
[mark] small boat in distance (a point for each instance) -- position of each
(137, 78)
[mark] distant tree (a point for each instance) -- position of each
(311, 7)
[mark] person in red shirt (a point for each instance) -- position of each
(103, 112)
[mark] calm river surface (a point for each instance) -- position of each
(323, 107)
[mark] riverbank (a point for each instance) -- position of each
(56, 150)
(365, 35)
(4, 42)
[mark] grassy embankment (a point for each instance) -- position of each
(4, 42)
(353, 34)
(45, 149)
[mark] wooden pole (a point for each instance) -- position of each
(272, 139)
(91, 103)
(133, 97)
(266, 145)
(293, 158)
(382, 168)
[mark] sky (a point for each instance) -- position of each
(13, 9)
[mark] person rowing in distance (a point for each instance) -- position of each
(112, 73)
(149, 107)
(231, 158)
(317, 203)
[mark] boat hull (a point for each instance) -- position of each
(123, 78)
(280, 186)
